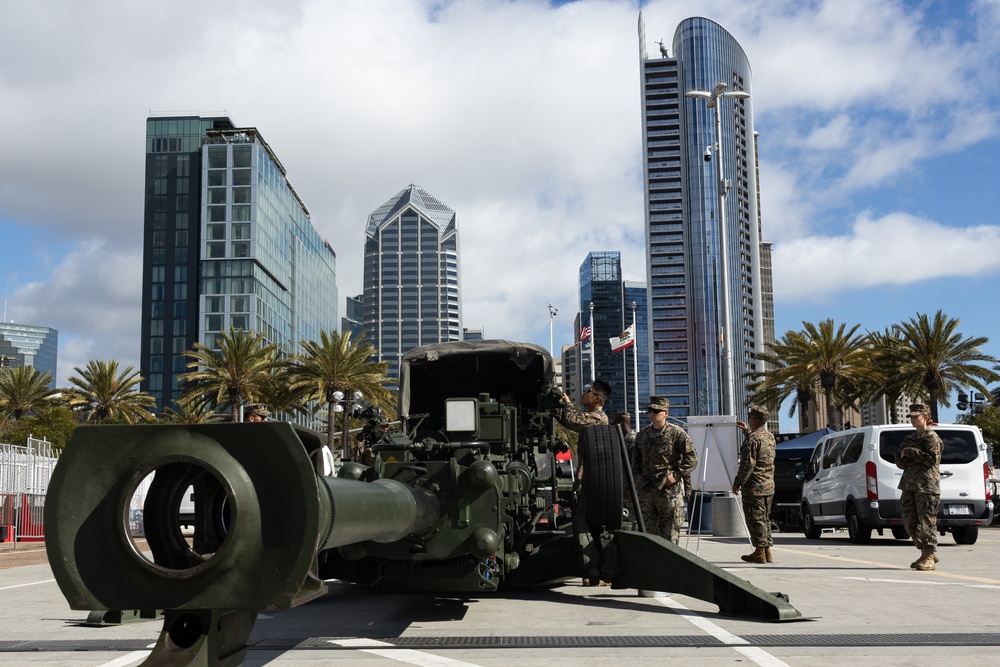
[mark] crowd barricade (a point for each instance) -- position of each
(24, 479)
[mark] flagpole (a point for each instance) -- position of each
(635, 364)
(593, 359)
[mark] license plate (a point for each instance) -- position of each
(958, 509)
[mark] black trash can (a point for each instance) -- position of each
(699, 513)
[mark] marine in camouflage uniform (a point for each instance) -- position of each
(662, 460)
(755, 482)
(919, 456)
(593, 400)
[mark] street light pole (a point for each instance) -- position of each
(722, 187)
(552, 313)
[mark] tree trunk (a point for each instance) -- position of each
(831, 410)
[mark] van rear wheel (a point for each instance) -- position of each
(899, 532)
(857, 531)
(965, 534)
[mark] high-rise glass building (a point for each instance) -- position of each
(601, 284)
(411, 286)
(682, 233)
(24, 345)
(228, 243)
(351, 321)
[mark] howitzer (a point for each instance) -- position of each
(467, 497)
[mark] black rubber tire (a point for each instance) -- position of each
(809, 526)
(601, 455)
(965, 534)
(899, 532)
(858, 532)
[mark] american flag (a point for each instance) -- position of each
(584, 333)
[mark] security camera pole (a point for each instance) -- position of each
(721, 189)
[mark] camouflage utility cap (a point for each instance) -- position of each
(758, 411)
(258, 409)
(918, 409)
(659, 403)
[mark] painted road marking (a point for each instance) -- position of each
(402, 655)
(757, 655)
(33, 583)
(891, 566)
(925, 583)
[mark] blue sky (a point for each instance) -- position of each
(878, 124)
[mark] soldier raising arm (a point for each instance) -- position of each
(592, 400)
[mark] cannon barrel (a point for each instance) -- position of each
(381, 511)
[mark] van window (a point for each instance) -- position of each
(816, 458)
(852, 452)
(831, 458)
(957, 446)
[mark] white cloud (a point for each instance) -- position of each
(522, 117)
(897, 249)
(92, 299)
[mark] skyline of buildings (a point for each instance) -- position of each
(685, 255)
(227, 243)
(602, 285)
(412, 295)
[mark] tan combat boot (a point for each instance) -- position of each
(767, 555)
(926, 561)
(913, 565)
(758, 556)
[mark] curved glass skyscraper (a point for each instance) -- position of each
(684, 256)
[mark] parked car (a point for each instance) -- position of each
(850, 481)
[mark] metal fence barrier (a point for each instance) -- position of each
(24, 479)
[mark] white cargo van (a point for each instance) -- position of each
(850, 481)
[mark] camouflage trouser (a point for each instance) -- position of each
(662, 512)
(757, 510)
(920, 512)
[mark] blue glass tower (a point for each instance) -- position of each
(227, 242)
(682, 231)
(601, 283)
(24, 345)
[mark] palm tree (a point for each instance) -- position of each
(231, 375)
(336, 363)
(884, 378)
(938, 360)
(23, 390)
(107, 395)
(835, 355)
(782, 380)
(278, 391)
(191, 412)
(829, 357)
